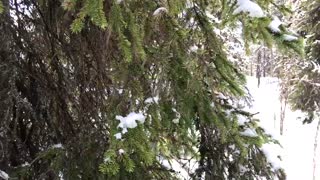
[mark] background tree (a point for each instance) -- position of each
(305, 84)
(301, 85)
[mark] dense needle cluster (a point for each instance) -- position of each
(72, 71)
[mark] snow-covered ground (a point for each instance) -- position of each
(297, 139)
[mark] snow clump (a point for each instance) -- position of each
(250, 7)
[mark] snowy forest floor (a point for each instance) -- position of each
(297, 138)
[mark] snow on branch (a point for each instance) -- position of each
(249, 133)
(288, 37)
(250, 7)
(118, 1)
(272, 155)
(4, 175)
(57, 146)
(129, 121)
(151, 100)
(274, 25)
(121, 151)
(118, 136)
(159, 11)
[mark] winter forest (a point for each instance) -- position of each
(159, 89)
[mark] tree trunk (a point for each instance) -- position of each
(315, 151)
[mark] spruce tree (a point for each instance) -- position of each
(109, 89)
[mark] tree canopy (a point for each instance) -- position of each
(301, 74)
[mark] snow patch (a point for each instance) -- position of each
(57, 146)
(221, 96)
(243, 169)
(118, 136)
(250, 7)
(120, 91)
(124, 130)
(175, 121)
(288, 37)
(118, 1)
(182, 167)
(249, 133)
(272, 154)
(193, 48)
(242, 120)
(178, 116)
(266, 102)
(317, 41)
(297, 139)
(159, 11)
(213, 18)
(130, 120)
(25, 164)
(152, 100)
(4, 175)
(106, 159)
(274, 25)
(121, 151)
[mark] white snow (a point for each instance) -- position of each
(288, 37)
(221, 96)
(213, 18)
(121, 151)
(316, 41)
(61, 176)
(175, 120)
(249, 133)
(297, 139)
(118, 1)
(178, 116)
(266, 102)
(250, 7)
(4, 175)
(124, 130)
(120, 91)
(118, 136)
(242, 120)
(217, 31)
(152, 100)
(106, 159)
(25, 164)
(57, 146)
(130, 120)
(243, 169)
(160, 10)
(193, 48)
(272, 153)
(274, 25)
(182, 167)
(297, 142)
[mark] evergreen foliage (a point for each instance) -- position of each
(1, 7)
(69, 68)
(303, 83)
